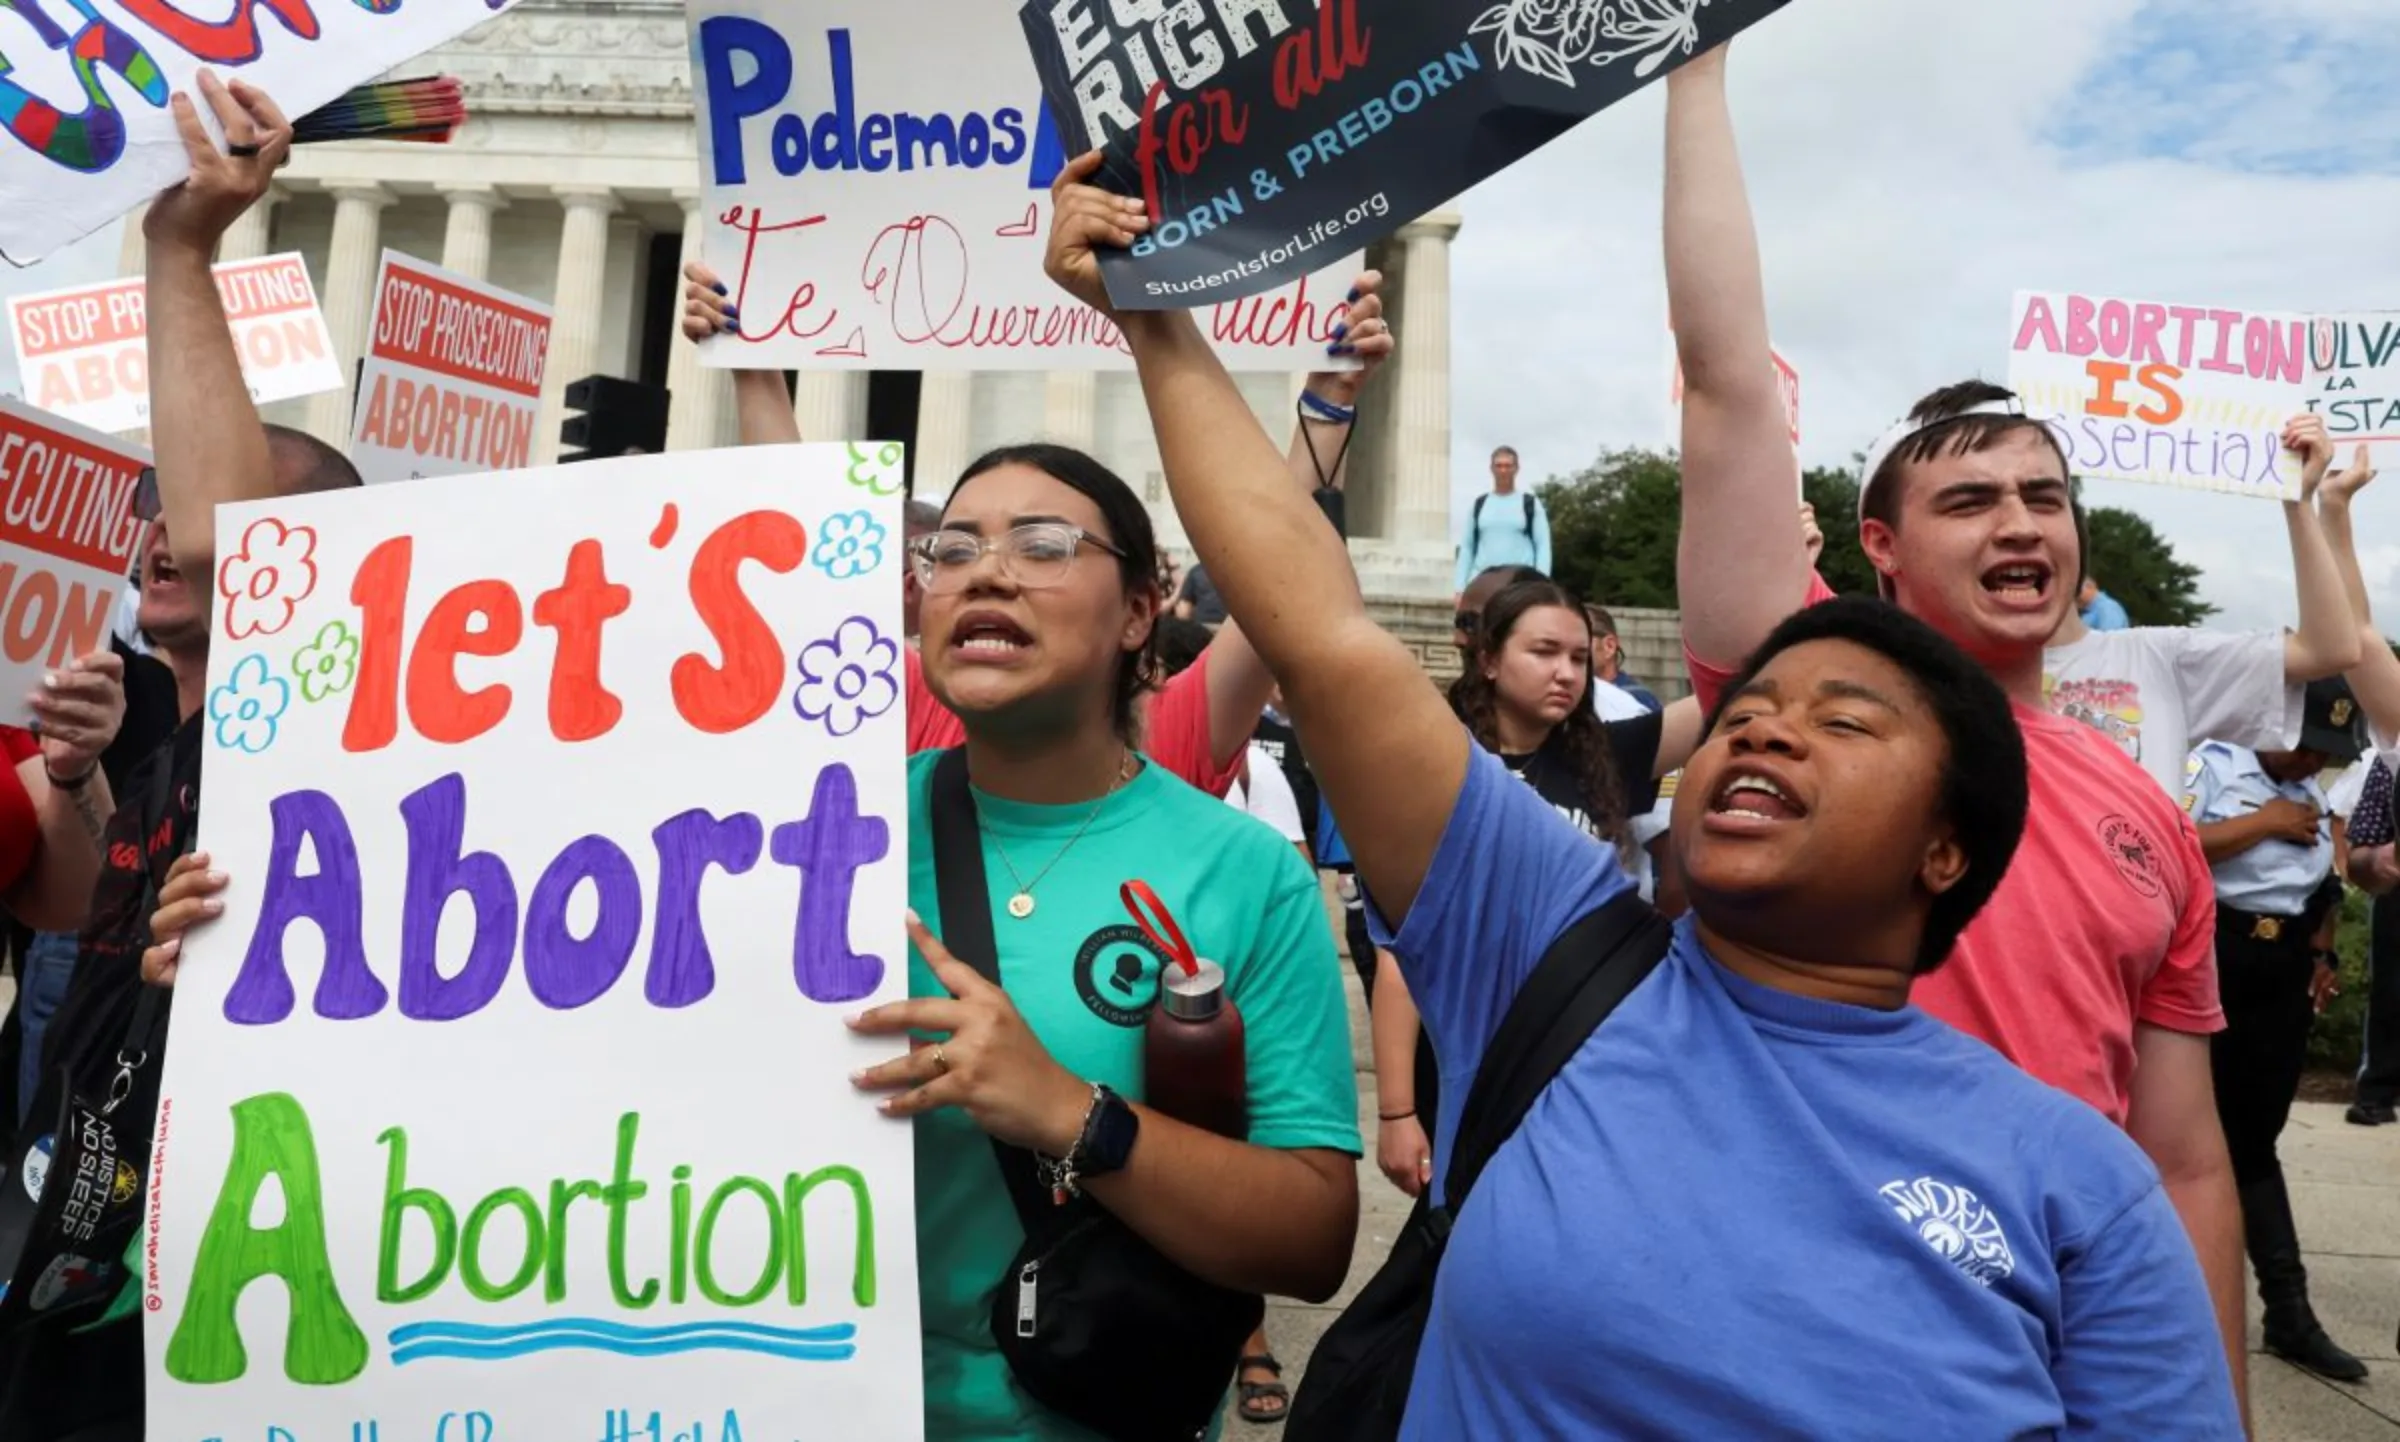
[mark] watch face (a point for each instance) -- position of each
(1113, 1129)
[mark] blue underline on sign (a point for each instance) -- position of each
(472, 1342)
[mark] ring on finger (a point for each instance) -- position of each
(242, 152)
(941, 1062)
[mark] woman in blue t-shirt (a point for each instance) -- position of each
(1769, 1198)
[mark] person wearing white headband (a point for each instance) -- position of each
(2158, 691)
(2094, 967)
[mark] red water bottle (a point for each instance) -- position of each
(1194, 1066)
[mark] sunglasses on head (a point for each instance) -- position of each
(145, 495)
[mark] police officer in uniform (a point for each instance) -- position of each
(2265, 826)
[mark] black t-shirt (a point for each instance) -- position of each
(1208, 608)
(88, 1386)
(1276, 737)
(1633, 748)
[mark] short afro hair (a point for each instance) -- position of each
(1983, 784)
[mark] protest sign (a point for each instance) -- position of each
(452, 381)
(2174, 395)
(2354, 375)
(877, 201)
(526, 1005)
(67, 539)
(1262, 135)
(93, 133)
(84, 352)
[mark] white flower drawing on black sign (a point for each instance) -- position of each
(1552, 37)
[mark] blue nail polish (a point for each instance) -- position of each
(719, 288)
(1341, 350)
(1340, 330)
(1354, 295)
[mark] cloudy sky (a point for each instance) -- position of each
(1913, 165)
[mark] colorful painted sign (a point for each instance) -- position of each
(85, 130)
(452, 382)
(67, 538)
(2175, 395)
(1261, 132)
(526, 1007)
(879, 202)
(84, 352)
(2354, 375)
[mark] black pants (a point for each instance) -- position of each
(2259, 1056)
(2379, 1063)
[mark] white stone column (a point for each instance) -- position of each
(831, 405)
(1071, 409)
(467, 237)
(133, 251)
(1420, 415)
(349, 283)
(575, 300)
(699, 393)
(249, 237)
(945, 410)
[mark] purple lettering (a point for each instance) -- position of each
(827, 850)
(682, 970)
(437, 825)
(566, 971)
(346, 988)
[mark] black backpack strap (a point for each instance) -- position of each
(966, 902)
(1529, 515)
(1592, 966)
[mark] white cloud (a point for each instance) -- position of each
(1904, 190)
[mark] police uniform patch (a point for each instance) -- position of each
(2340, 714)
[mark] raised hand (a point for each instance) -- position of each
(1365, 334)
(1084, 217)
(2306, 435)
(188, 899)
(707, 309)
(988, 1064)
(2344, 484)
(197, 210)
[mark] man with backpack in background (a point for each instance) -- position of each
(1507, 527)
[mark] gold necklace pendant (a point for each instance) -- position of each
(1020, 905)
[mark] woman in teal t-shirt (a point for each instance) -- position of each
(1040, 595)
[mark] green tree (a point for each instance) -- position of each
(1613, 527)
(2134, 563)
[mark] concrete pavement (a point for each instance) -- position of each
(2345, 1184)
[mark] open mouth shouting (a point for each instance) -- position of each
(1751, 800)
(988, 638)
(2019, 585)
(161, 573)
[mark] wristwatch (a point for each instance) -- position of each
(1110, 1126)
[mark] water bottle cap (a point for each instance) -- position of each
(1194, 997)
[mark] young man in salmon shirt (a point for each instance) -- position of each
(2094, 966)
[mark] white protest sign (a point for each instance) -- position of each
(2354, 376)
(67, 538)
(84, 351)
(878, 191)
(2175, 395)
(88, 117)
(452, 380)
(526, 1004)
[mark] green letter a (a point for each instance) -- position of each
(321, 1345)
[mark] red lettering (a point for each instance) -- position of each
(442, 711)
(380, 591)
(722, 698)
(83, 628)
(1306, 63)
(582, 602)
(231, 41)
(1191, 128)
(751, 221)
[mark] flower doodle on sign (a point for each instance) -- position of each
(266, 580)
(1549, 37)
(846, 679)
(881, 471)
(328, 664)
(849, 545)
(249, 706)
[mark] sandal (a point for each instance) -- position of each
(1262, 1402)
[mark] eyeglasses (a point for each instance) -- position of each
(1036, 556)
(145, 495)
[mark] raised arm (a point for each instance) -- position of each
(1364, 712)
(1740, 567)
(1239, 682)
(2327, 642)
(762, 404)
(2375, 679)
(210, 447)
